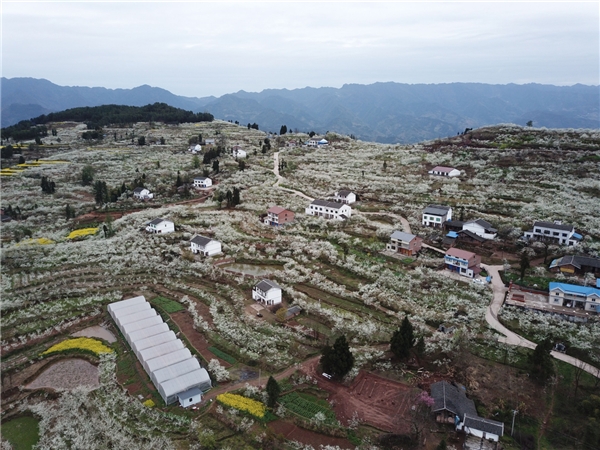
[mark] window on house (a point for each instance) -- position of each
(555, 233)
(564, 234)
(537, 230)
(546, 231)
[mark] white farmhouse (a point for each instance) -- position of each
(205, 246)
(141, 193)
(202, 182)
(344, 196)
(481, 228)
(160, 226)
(436, 215)
(329, 210)
(444, 171)
(267, 292)
(237, 152)
(554, 232)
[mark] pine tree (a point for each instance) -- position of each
(273, 391)
(541, 364)
(235, 198)
(403, 340)
(337, 360)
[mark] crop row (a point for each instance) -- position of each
(306, 407)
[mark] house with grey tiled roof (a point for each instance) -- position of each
(205, 246)
(329, 210)
(267, 292)
(436, 215)
(404, 243)
(451, 405)
(481, 228)
(160, 226)
(555, 232)
(344, 196)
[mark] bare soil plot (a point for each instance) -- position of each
(96, 331)
(294, 433)
(185, 322)
(67, 374)
(382, 403)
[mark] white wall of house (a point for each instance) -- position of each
(478, 230)
(166, 226)
(562, 237)
(349, 199)
(210, 249)
(271, 297)
(202, 183)
(330, 212)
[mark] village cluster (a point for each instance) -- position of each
(358, 264)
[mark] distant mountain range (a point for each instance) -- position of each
(380, 112)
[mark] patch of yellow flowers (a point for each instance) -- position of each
(257, 409)
(149, 403)
(82, 232)
(92, 345)
(38, 241)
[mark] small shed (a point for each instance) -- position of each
(190, 397)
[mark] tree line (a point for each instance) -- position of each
(96, 117)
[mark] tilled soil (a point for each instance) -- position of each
(67, 374)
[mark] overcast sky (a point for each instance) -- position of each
(202, 49)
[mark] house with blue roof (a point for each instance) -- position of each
(586, 298)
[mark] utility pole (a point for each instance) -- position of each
(512, 430)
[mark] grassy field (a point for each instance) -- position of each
(22, 432)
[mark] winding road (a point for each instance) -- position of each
(499, 290)
(511, 338)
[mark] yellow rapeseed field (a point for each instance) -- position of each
(257, 409)
(38, 241)
(149, 403)
(92, 345)
(82, 232)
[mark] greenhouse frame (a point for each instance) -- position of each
(174, 371)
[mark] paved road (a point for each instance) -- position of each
(491, 314)
(511, 338)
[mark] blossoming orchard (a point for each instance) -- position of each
(66, 255)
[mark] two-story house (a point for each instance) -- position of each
(276, 215)
(205, 246)
(267, 292)
(444, 171)
(202, 182)
(404, 243)
(160, 226)
(481, 228)
(436, 215)
(462, 262)
(574, 296)
(344, 196)
(329, 210)
(554, 232)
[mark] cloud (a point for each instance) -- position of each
(200, 49)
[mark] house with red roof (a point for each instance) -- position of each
(276, 216)
(462, 262)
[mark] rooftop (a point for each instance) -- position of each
(267, 285)
(437, 210)
(328, 204)
(458, 253)
(565, 287)
(555, 226)
(402, 236)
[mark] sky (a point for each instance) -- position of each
(200, 49)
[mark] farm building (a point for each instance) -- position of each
(176, 374)
(205, 246)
